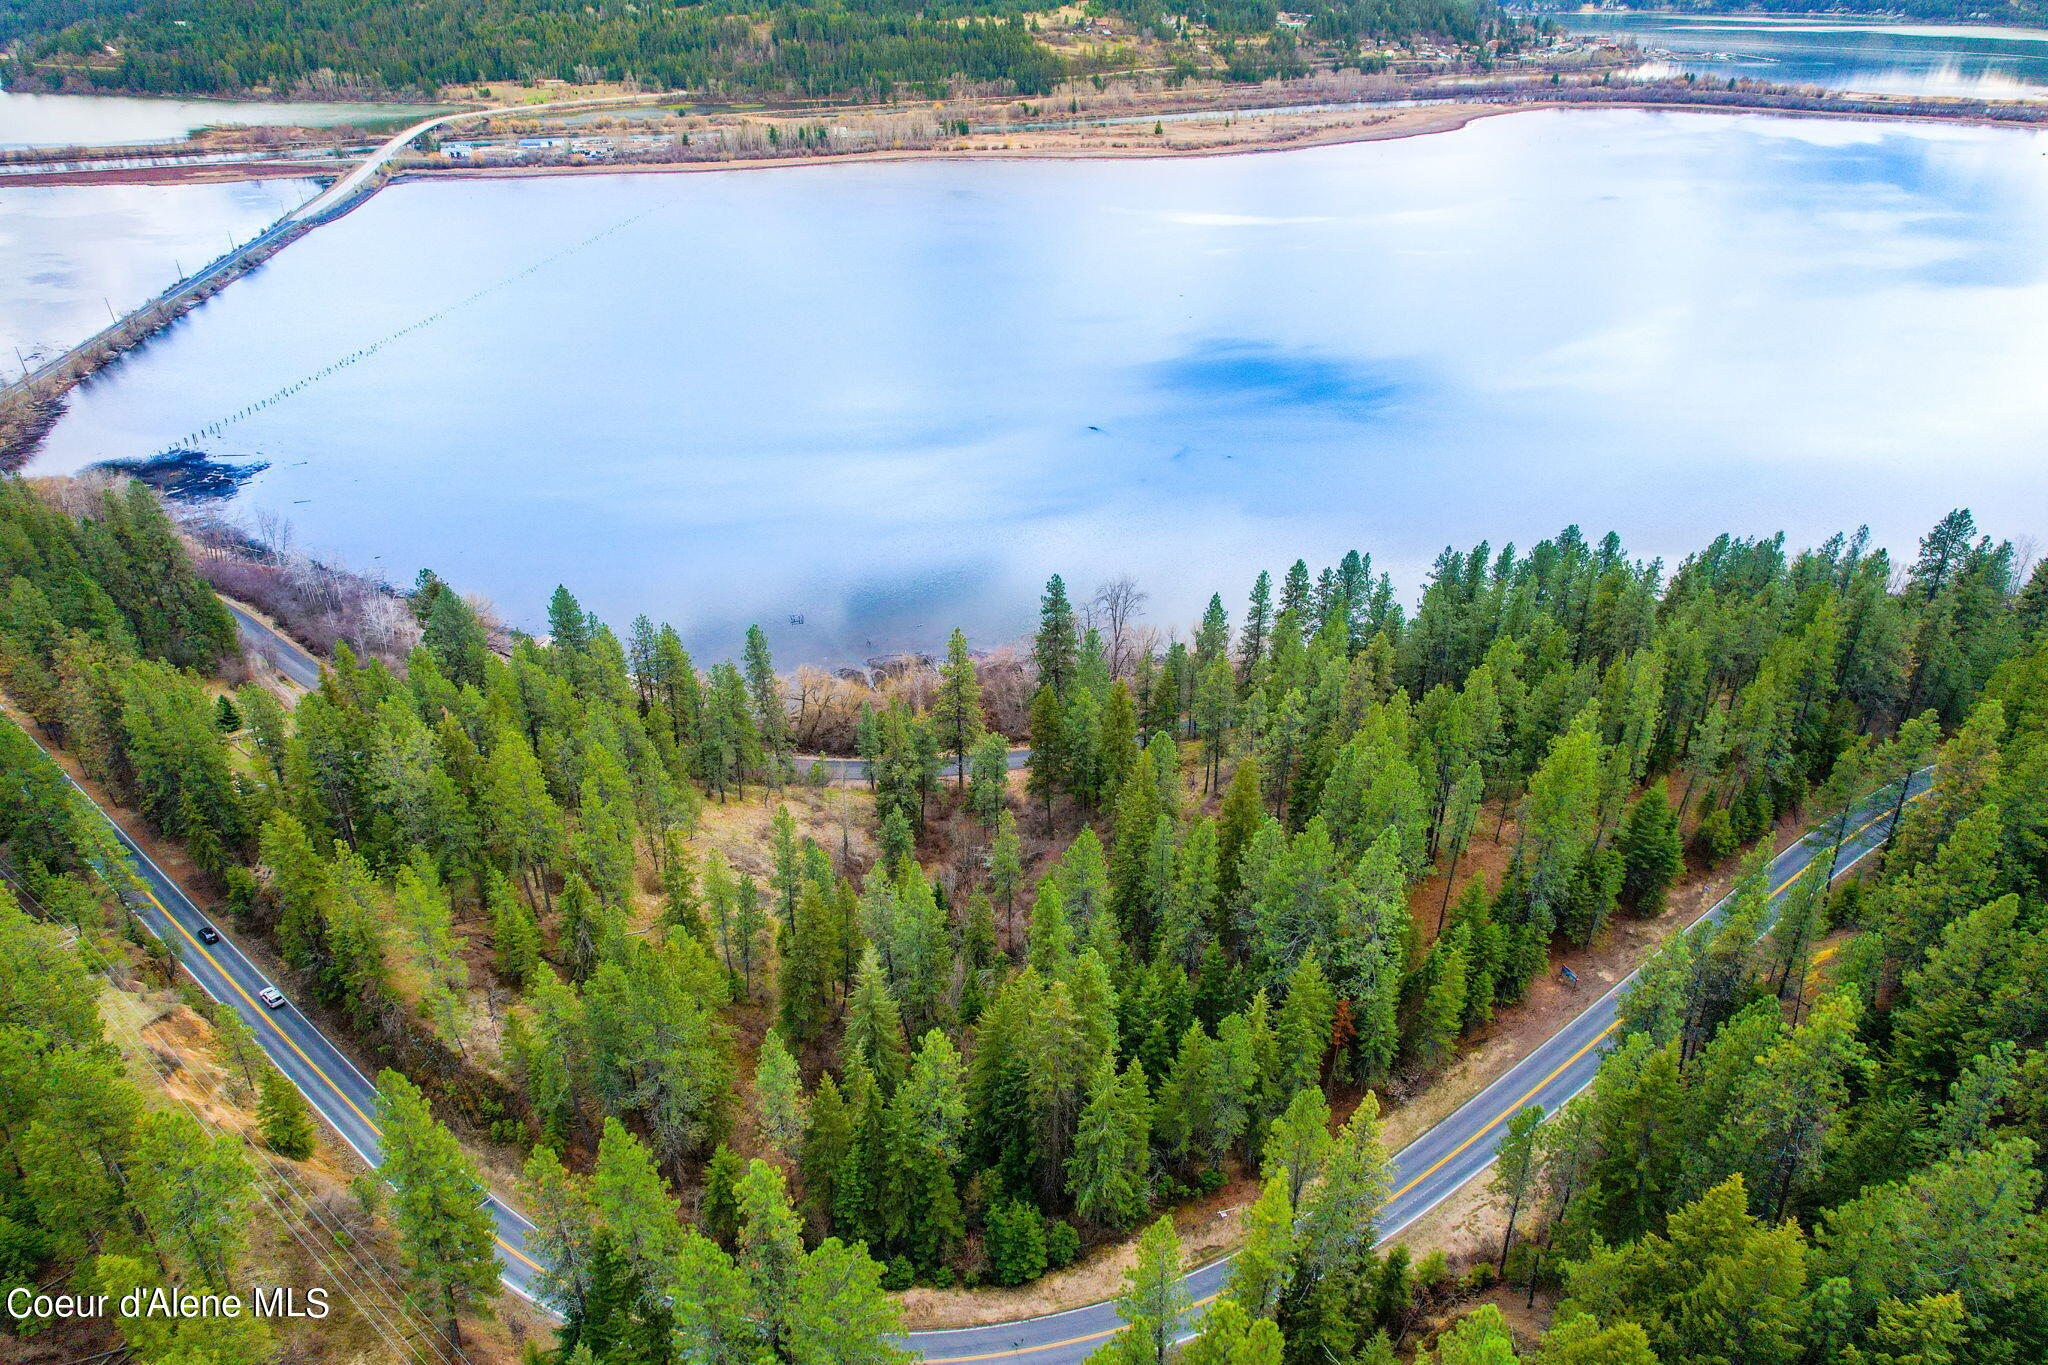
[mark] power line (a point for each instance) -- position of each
(381, 1320)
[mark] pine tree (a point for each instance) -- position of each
(988, 780)
(636, 1210)
(1056, 650)
(1214, 711)
(874, 1025)
(1440, 1008)
(1481, 1337)
(284, 1118)
(1790, 1101)
(957, 708)
(718, 1207)
(564, 1236)
(1559, 818)
(1299, 1143)
(1258, 1273)
(778, 1096)
(770, 1253)
(1652, 854)
(1237, 821)
(1258, 621)
(771, 720)
(838, 1314)
(444, 1231)
(1153, 1299)
(1583, 1340)
(1048, 771)
(192, 1191)
(1517, 1171)
(1006, 872)
(236, 1046)
(894, 843)
(1335, 1226)
(828, 1136)
(1016, 1243)
(515, 935)
(568, 627)
(1107, 1176)
(1231, 1336)
(1306, 1021)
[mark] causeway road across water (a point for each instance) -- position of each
(342, 190)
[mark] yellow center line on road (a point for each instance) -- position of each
(262, 1013)
(291, 1042)
(1494, 1123)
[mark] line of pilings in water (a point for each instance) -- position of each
(31, 405)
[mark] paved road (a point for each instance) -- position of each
(1426, 1171)
(292, 659)
(338, 193)
(342, 1094)
(856, 769)
(282, 652)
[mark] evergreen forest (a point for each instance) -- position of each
(758, 1044)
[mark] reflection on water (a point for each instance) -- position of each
(890, 398)
(1894, 59)
(114, 120)
(72, 256)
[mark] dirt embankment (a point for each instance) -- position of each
(1180, 132)
(1464, 1227)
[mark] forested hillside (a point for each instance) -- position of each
(796, 47)
(120, 1174)
(974, 1023)
(1773, 1169)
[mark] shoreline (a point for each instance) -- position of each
(34, 404)
(1292, 131)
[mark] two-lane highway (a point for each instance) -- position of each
(281, 651)
(1433, 1166)
(320, 1070)
(1426, 1171)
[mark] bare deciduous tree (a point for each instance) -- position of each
(1114, 611)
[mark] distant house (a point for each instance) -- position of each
(459, 151)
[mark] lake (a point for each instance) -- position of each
(889, 398)
(1978, 61)
(115, 120)
(74, 254)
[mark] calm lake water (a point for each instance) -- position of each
(113, 120)
(69, 254)
(891, 398)
(1980, 61)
